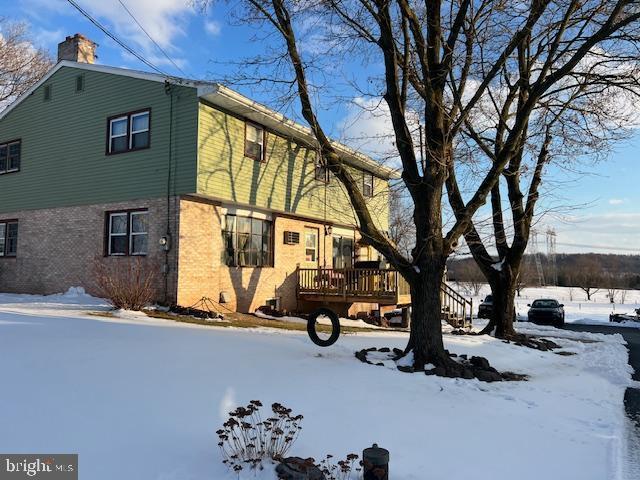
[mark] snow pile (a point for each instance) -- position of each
(152, 397)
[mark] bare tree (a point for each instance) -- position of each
(442, 61)
(581, 114)
(21, 63)
(623, 295)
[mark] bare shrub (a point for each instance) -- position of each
(340, 470)
(126, 283)
(623, 296)
(246, 439)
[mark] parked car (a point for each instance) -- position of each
(485, 310)
(546, 311)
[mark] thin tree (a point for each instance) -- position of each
(434, 70)
(21, 63)
(581, 115)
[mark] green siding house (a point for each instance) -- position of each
(220, 196)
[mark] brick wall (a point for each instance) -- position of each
(57, 247)
(201, 272)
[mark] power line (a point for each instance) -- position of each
(116, 39)
(151, 38)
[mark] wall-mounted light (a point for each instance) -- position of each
(164, 243)
(328, 229)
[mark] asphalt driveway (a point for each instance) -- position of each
(632, 395)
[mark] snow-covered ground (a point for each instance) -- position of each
(576, 306)
(141, 398)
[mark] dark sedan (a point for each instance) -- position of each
(485, 309)
(546, 311)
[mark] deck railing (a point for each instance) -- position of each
(377, 285)
(349, 282)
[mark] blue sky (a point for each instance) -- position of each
(604, 198)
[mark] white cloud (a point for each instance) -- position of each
(212, 27)
(616, 201)
(164, 20)
(609, 232)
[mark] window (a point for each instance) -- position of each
(47, 92)
(79, 83)
(321, 172)
(247, 241)
(311, 245)
(127, 233)
(10, 156)
(8, 238)
(129, 131)
(254, 142)
(367, 184)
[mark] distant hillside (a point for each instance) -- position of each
(572, 270)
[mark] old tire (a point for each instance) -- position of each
(335, 327)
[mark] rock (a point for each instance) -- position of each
(370, 349)
(480, 362)
(406, 369)
(296, 468)
(380, 364)
(486, 376)
(398, 352)
(463, 356)
(384, 349)
(467, 373)
(453, 355)
(513, 377)
(362, 356)
(563, 353)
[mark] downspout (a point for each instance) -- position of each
(166, 241)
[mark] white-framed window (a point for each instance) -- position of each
(129, 131)
(118, 134)
(254, 142)
(311, 245)
(139, 130)
(8, 238)
(139, 233)
(127, 233)
(367, 184)
(248, 242)
(10, 156)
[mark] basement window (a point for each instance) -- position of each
(129, 131)
(254, 142)
(127, 233)
(8, 238)
(10, 156)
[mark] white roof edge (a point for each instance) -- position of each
(217, 90)
(212, 91)
(154, 77)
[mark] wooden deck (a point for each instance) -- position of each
(383, 286)
(368, 285)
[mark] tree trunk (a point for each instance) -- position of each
(425, 339)
(504, 294)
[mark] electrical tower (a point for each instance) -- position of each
(551, 254)
(535, 253)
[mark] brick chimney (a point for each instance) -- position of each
(77, 49)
